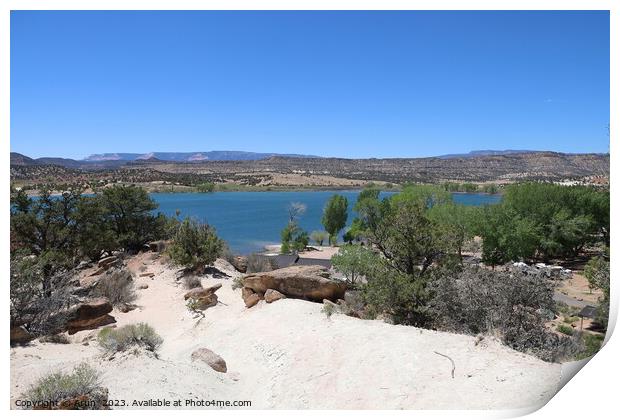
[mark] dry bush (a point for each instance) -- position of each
(259, 263)
(142, 335)
(191, 282)
(227, 254)
(42, 313)
(513, 305)
(58, 386)
(56, 339)
(117, 286)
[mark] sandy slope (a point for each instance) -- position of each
(288, 354)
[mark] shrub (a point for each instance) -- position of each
(191, 282)
(227, 254)
(319, 237)
(565, 329)
(119, 339)
(237, 283)
(42, 309)
(514, 305)
(58, 386)
(353, 261)
(597, 273)
(592, 344)
(259, 263)
(56, 339)
(118, 287)
(329, 309)
(195, 245)
(293, 238)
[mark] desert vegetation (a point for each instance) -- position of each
(140, 335)
(79, 389)
(409, 264)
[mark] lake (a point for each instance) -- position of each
(250, 220)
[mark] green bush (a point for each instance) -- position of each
(195, 245)
(59, 386)
(293, 238)
(119, 339)
(592, 344)
(565, 329)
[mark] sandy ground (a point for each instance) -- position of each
(288, 354)
(318, 252)
(578, 289)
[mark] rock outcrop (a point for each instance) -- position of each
(20, 335)
(310, 282)
(240, 263)
(89, 315)
(273, 295)
(204, 297)
(211, 358)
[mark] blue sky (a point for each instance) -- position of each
(347, 84)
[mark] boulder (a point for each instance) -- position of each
(20, 335)
(205, 302)
(251, 300)
(310, 282)
(89, 315)
(211, 358)
(240, 263)
(273, 295)
(223, 265)
(147, 274)
(199, 292)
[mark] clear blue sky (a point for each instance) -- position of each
(348, 84)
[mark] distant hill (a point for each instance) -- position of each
(477, 153)
(187, 156)
(19, 159)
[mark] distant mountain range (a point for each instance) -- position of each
(476, 153)
(109, 160)
(113, 160)
(188, 156)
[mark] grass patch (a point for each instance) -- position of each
(592, 343)
(565, 329)
(58, 386)
(119, 339)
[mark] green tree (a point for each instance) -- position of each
(319, 237)
(597, 273)
(455, 224)
(45, 227)
(335, 216)
(409, 241)
(129, 209)
(506, 236)
(353, 261)
(206, 187)
(293, 238)
(195, 245)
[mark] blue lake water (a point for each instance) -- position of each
(250, 220)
